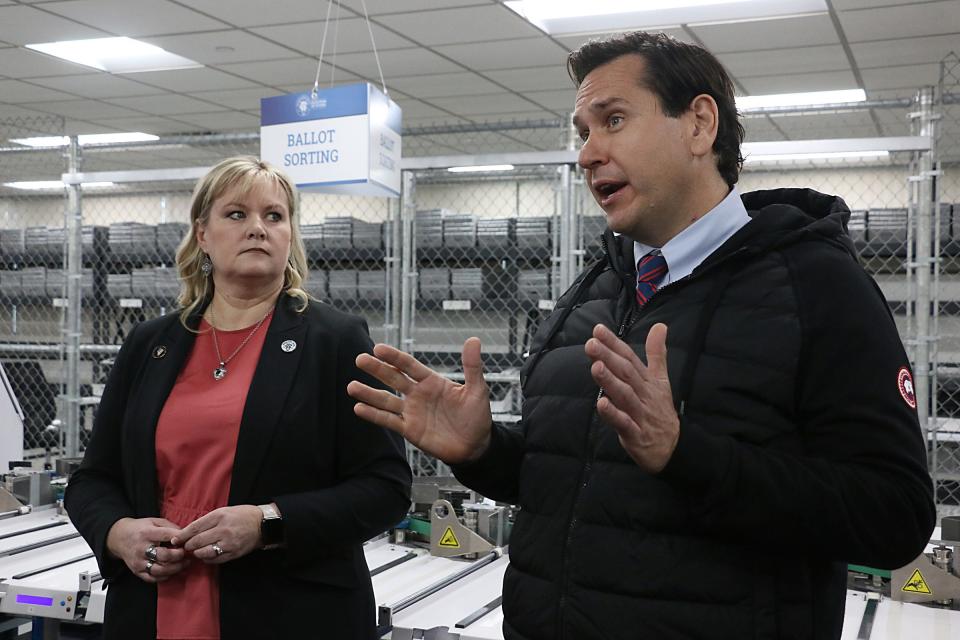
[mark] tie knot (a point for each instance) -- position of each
(651, 269)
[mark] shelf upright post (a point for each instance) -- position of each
(70, 401)
(408, 285)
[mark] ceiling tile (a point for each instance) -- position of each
(84, 109)
(417, 109)
(442, 84)
(909, 77)
(398, 62)
(166, 104)
(575, 41)
(916, 20)
(220, 47)
(447, 26)
(785, 61)
(222, 121)
(299, 72)
(551, 76)
(97, 85)
(134, 19)
(414, 124)
(504, 54)
(14, 111)
(256, 13)
(187, 80)
(909, 50)
(799, 82)
(83, 127)
(379, 7)
(239, 100)
(350, 36)
(146, 124)
(561, 100)
(768, 34)
(15, 91)
(23, 63)
(26, 25)
(486, 104)
(843, 5)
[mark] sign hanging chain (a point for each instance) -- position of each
(323, 42)
(376, 56)
(336, 37)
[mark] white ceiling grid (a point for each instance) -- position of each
(444, 61)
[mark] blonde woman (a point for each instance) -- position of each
(228, 484)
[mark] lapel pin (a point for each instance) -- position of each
(288, 346)
(159, 352)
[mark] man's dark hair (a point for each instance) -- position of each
(676, 73)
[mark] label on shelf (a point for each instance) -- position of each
(456, 305)
(546, 305)
(60, 303)
(131, 303)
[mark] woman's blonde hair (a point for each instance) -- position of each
(240, 172)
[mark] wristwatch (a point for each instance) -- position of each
(271, 527)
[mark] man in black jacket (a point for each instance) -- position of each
(709, 484)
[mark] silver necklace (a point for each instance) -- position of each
(221, 371)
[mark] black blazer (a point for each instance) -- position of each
(337, 480)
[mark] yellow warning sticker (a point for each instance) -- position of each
(916, 584)
(449, 539)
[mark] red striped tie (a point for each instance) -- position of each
(651, 269)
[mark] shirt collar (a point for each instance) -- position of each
(686, 250)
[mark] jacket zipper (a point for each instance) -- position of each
(584, 479)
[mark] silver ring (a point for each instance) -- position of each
(151, 553)
(216, 547)
(149, 567)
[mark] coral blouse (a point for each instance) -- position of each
(196, 440)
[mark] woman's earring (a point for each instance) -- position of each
(206, 267)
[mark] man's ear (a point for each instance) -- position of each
(704, 120)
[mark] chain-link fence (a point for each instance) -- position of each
(32, 282)
(945, 332)
(463, 254)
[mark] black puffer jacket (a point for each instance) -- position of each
(798, 451)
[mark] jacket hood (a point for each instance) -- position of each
(779, 217)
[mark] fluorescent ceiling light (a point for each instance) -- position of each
(485, 167)
(576, 16)
(825, 155)
(116, 55)
(92, 138)
(801, 99)
(46, 185)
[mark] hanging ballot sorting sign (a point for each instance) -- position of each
(343, 140)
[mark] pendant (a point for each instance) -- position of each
(220, 372)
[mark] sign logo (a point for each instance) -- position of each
(309, 102)
(905, 384)
(303, 106)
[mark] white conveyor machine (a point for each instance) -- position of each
(47, 570)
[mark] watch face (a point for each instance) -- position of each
(271, 531)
